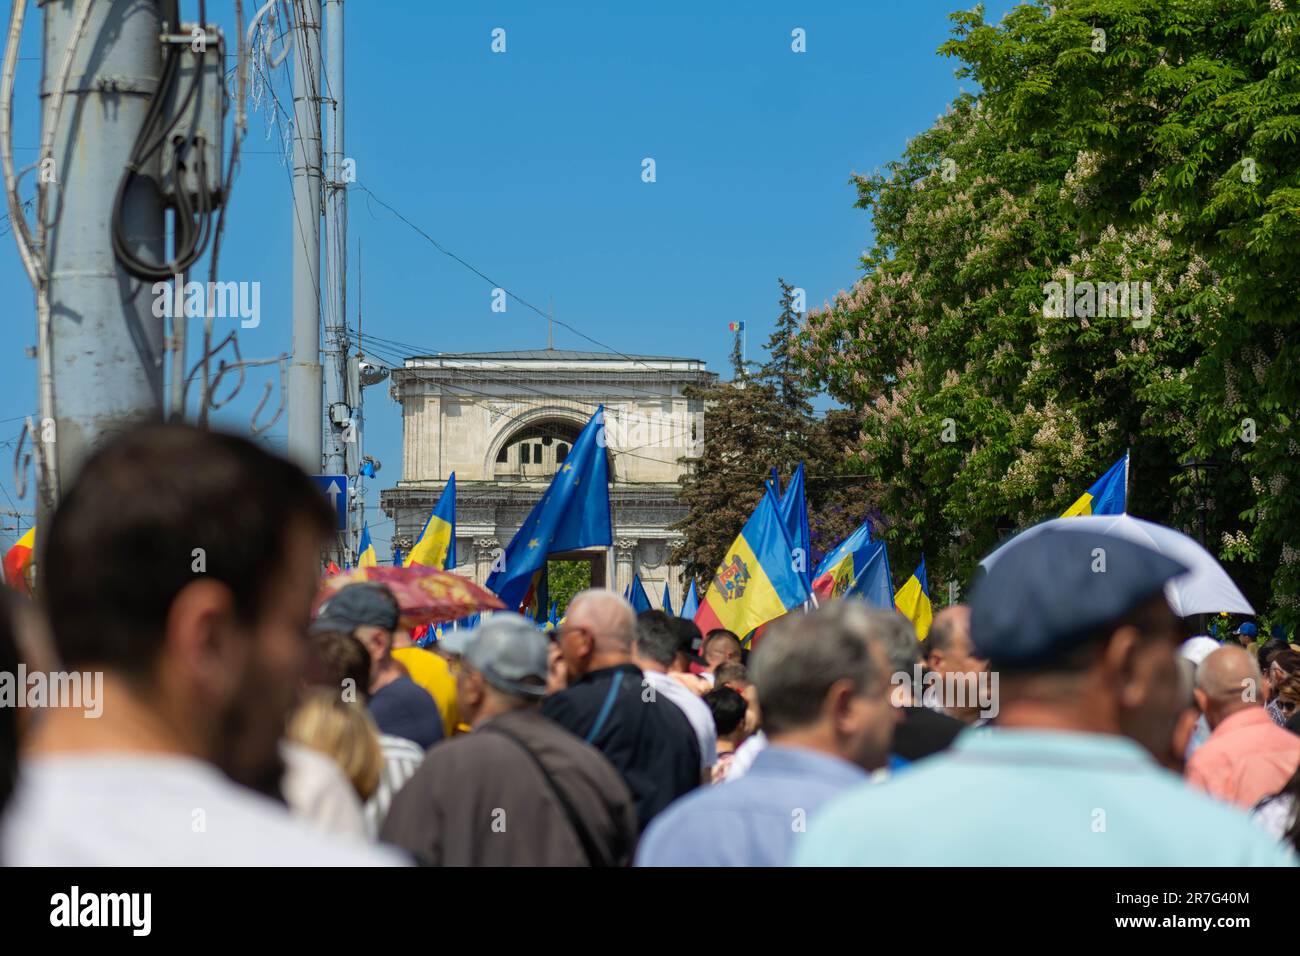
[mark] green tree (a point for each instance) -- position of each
(1107, 145)
(761, 419)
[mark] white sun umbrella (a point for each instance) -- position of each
(1204, 589)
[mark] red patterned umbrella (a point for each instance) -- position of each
(425, 595)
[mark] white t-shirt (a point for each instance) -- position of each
(753, 745)
(158, 810)
(696, 711)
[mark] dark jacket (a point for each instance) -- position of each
(481, 800)
(645, 736)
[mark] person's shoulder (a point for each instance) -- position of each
(422, 658)
(1230, 836)
(686, 819)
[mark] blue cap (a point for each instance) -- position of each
(1247, 629)
(1049, 593)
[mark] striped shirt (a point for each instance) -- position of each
(401, 758)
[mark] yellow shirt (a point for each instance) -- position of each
(432, 673)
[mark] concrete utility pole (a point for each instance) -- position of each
(102, 356)
(305, 411)
(342, 437)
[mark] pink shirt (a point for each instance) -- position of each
(1247, 758)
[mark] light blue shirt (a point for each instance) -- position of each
(752, 821)
(1003, 797)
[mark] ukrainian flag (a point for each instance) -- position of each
(366, 557)
(913, 601)
(437, 545)
(756, 582)
(1107, 496)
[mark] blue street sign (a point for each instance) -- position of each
(335, 488)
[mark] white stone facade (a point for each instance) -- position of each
(503, 421)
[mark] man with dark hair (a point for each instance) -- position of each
(689, 643)
(657, 646)
(823, 691)
(181, 564)
(399, 705)
(1077, 626)
(728, 710)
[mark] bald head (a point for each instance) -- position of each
(950, 626)
(1228, 681)
(598, 631)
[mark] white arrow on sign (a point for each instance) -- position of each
(334, 491)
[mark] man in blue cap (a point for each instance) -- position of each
(1246, 633)
(1077, 627)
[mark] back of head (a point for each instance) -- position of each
(343, 731)
(731, 675)
(1269, 650)
(944, 629)
(688, 634)
(728, 709)
(339, 662)
(897, 638)
(803, 655)
(1229, 681)
(608, 617)
(657, 637)
(1287, 660)
(152, 511)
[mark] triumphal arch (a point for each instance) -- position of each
(504, 421)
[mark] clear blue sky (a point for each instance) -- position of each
(528, 165)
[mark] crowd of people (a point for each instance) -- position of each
(1064, 717)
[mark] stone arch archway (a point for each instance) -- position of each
(550, 430)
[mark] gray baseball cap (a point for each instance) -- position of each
(358, 605)
(510, 653)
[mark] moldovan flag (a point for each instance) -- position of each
(366, 557)
(1107, 496)
(18, 561)
(437, 545)
(757, 581)
(913, 601)
(838, 569)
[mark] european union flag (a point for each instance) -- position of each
(640, 600)
(794, 515)
(574, 513)
(692, 602)
(668, 600)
